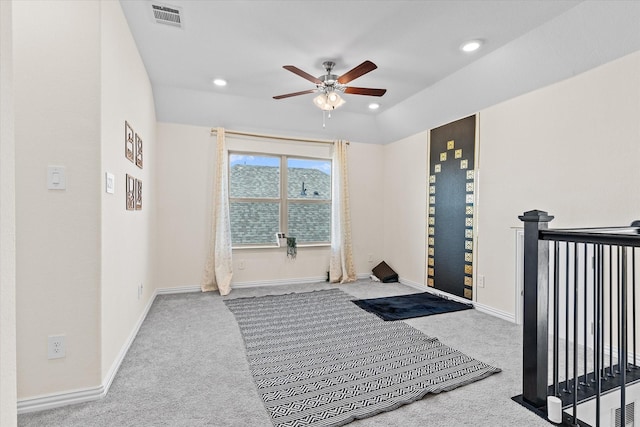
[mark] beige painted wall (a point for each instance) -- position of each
(186, 157)
(80, 255)
(57, 111)
(7, 225)
(404, 205)
(571, 149)
(127, 236)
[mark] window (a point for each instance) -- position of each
(270, 194)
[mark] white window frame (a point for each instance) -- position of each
(283, 199)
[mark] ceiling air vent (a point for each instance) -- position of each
(169, 15)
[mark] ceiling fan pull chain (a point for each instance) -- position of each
(324, 125)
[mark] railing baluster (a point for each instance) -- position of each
(585, 318)
(622, 352)
(597, 368)
(604, 319)
(556, 318)
(633, 305)
(618, 307)
(596, 311)
(566, 388)
(611, 311)
(575, 333)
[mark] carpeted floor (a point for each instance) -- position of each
(187, 367)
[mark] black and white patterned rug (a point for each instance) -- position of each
(318, 360)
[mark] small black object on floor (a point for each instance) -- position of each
(410, 306)
(385, 273)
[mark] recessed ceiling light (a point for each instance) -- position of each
(471, 46)
(374, 106)
(219, 82)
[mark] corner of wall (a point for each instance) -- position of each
(7, 224)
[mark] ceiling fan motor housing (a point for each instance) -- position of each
(330, 81)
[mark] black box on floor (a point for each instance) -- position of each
(385, 273)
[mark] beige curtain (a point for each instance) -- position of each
(218, 269)
(341, 267)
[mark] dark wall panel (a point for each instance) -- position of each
(451, 207)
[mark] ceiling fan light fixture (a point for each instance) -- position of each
(328, 101)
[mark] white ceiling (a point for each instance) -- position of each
(429, 81)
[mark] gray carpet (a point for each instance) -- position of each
(320, 361)
(188, 367)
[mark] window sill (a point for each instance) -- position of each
(310, 245)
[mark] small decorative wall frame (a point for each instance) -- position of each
(131, 193)
(138, 151)
(138, 195)
(128, 141)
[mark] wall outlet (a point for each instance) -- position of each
(241, 265)
(55, 347)
(370, 258)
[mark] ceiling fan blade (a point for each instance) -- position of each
(304, 75)
(364, 91)
(288, 95)
(356, 72)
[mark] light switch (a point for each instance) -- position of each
(56, 179)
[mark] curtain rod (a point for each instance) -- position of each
(282, 138)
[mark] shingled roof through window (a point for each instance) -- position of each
(258, 222)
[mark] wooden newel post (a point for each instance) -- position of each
(536, 309)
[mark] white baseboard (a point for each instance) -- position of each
(416, 285)
(178, 290)
(279, 282)
(56, 400)
(509, 317)
(478, 306)
(108, 379)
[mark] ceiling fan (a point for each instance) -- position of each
(330, 85)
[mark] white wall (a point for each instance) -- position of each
(80, 255)
(57, 122)
(404, 205)
(7, 225)
(367, 190)
(127, 236)
(571, 149)
(186, 157)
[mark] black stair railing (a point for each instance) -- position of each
(582, 282)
